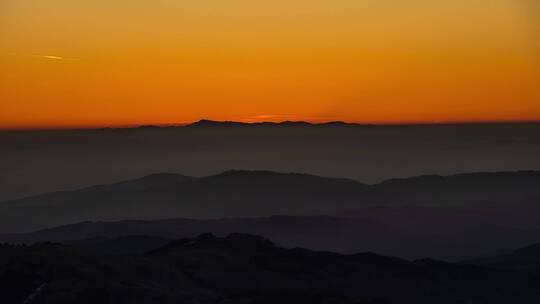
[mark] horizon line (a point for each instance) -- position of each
(255, 123)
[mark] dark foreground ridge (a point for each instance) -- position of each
(244, 268)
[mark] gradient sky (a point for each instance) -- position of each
(87, 63)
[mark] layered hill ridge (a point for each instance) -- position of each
(37, 162)
(239, 193)
(241, 268)
(461, 239)
(526, 259)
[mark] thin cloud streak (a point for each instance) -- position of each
(51, 57)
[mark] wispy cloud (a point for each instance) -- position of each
(50, 57)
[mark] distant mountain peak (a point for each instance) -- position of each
(287, 123)
(214, 123)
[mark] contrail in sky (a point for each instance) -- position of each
(51, 57)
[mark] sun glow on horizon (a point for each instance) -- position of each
(127, 63)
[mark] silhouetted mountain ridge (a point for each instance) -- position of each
(526, 259)
(72, 159)
(242, 193)
(454, 241)
(212, 123)
(488, 187)
(241, 268)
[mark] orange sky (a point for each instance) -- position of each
(92, 63)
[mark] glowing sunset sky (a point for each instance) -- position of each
(86, 63)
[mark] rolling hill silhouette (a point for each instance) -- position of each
(456, 241)
(239, 193)
(526, 259)
(230, 194)
(446, 217)
(244, 268)
(44, 161)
